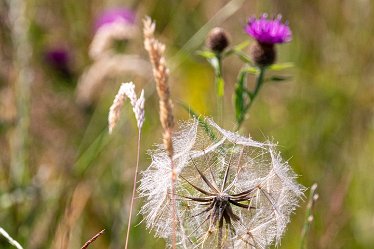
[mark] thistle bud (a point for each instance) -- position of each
(217, 40)
(263, 54)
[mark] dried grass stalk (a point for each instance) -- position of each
(90, 241)
(73, 212)
(161, 74)
(126, 90)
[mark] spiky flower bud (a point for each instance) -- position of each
(217, 40)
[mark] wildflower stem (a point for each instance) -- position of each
(252, 95)
(308, 216)
(216, 62)
(134, 189)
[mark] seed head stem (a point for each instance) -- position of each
(134, 188)
(174, 209)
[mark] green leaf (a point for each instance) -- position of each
(278, 78)
(236, 48)
(252, 70)
(239, 97)
(202, 121)
(206, 54)
(280, 66)
(241, 45)
(215, 62)
(244, 57)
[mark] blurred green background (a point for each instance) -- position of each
(63, 178)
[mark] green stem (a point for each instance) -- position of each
(253, 95)
(220, 85)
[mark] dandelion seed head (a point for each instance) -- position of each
(232, 191)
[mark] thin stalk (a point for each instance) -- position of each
(308, 216)
(133, 189)
(252, 95)
(90, 241)
(10, 239)
(174, 208)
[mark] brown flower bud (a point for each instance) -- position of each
(217, 40)
(263, 54)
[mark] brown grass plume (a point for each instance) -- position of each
(161, 74)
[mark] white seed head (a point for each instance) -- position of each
(231, 191)
(126, 90)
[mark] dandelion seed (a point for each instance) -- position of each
(232, 192)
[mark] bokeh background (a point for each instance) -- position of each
(63, 178)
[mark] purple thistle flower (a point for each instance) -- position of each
(114, 15)
(268, 31)
(59, 60)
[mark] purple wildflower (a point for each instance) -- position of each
(268, 31)
(59, 60)
(114, 15)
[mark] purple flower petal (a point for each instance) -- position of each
(269, 31)
(114, 15)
